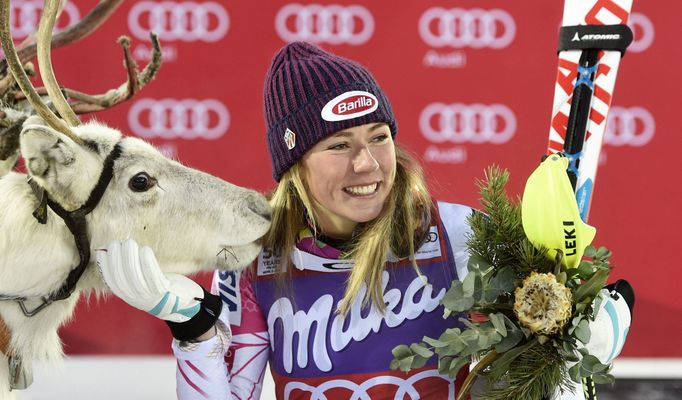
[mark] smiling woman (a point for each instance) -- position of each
(357, 259)
(350, 175)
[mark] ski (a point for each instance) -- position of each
(593, 38)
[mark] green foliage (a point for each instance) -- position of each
(519, 364)
(533, 371)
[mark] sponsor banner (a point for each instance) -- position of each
(176, 22)
(332, 24)
(457, 123)
(448, 31)
(643, 32)
(629, 126)
(24, 16)
(179, 119)
(470, 85)
(186, 21)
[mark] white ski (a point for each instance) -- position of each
(601, 77)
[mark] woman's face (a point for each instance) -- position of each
(349, 175)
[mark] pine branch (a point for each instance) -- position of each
(538, 371)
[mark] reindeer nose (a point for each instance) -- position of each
(258, 205)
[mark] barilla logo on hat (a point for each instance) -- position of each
(349, 105)
(290, 139)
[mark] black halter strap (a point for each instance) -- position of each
(75, 221)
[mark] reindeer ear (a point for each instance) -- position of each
(42, 146)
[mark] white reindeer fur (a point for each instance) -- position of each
(7, 164)
(188, 217)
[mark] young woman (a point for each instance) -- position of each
(355, 263)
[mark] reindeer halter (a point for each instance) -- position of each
(75, 221)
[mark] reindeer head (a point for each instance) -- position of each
(191, 219)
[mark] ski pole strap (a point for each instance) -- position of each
(599, 37)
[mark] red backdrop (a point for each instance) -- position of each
(204, 108)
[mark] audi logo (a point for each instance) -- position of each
(185, 119)
(474, 123)
(643, 32)
(631, 126)
(333, 24)
(24, 17)
(432, 237)
(187, 21)
(475, 28)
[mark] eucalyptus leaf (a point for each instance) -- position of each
(421, 350)
(469, 284)
(455, 365)
(434, 342)
(591, 364)
(585, 270)
(603, 252)
(602, 378)
(582, 331)
(574, 372)
(455, 343)
(406, 363)
(504, 281)
(418, 361)
(483, 342)
(476, 262)
(514, 337)
(444, 365)
(455, 299)
(589, 289)
(575, 321)
(479, 292)
(498, 322)
(590, 251)
(569, 357)
(401, 351)
(580, 308)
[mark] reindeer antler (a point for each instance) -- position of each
(21, 78)
(44, 41)
(86, 103)
(81, 102)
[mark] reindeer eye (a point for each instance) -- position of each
(141, 182)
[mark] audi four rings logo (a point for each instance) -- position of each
(333, 24)
(24, 17)
(631, 126)
(642, 30)
(185, 119)
(187, 21)
(474, 123)
(475, 28)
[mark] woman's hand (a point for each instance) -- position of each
(134, 275)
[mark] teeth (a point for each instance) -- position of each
(362, 190)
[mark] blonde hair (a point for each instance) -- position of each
(400, 227)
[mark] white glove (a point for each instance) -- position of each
(611, 322)
(133, 274)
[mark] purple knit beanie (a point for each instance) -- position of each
(310, 94)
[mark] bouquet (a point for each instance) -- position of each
(529, 301)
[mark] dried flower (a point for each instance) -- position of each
(542, 304)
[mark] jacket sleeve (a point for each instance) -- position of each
(232, 364)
